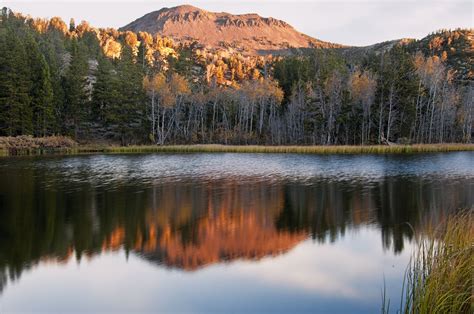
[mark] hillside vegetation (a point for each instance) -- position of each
(140, 88)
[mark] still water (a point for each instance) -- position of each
(218, 232)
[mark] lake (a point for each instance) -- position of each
(218, 232)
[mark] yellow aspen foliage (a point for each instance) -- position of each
(179, 85)
(255, 74)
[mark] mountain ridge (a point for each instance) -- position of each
(245, 32)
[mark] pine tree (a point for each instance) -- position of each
(15, 111)
(128, 111)
(41, 91)
(75, 95)
(104, 93)
(72, 25)
(141, 56)
(52, 48)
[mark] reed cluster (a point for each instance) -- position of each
(373, 149)
(28, 145)
(439, 278)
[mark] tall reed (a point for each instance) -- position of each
(439, 278)
(27, 145)
(340, 149)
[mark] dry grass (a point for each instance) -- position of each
(375, 149)
(25, 145)
(58, 144)
(439, 278)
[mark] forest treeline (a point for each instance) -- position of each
(105, 85)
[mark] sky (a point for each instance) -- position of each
(349, 22)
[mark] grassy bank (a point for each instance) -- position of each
(440, 276)
(374, 149)
(27, 145)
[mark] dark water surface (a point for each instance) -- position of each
(218, 232)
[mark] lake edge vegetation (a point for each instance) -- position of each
(28, 145)
(440, 276)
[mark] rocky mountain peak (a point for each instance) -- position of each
(249, 32)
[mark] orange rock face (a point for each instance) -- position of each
(257, 34)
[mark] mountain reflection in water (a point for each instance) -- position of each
(188, 222)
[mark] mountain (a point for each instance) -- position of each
(247, 32)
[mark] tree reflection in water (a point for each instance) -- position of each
(188, 224)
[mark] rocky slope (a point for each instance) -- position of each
(248, 32)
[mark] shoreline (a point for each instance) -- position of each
(217, 148)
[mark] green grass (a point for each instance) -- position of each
(375, 149)
(439, 278)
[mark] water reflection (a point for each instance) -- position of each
(54, 210)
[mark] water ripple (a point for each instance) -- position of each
(110, 170)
